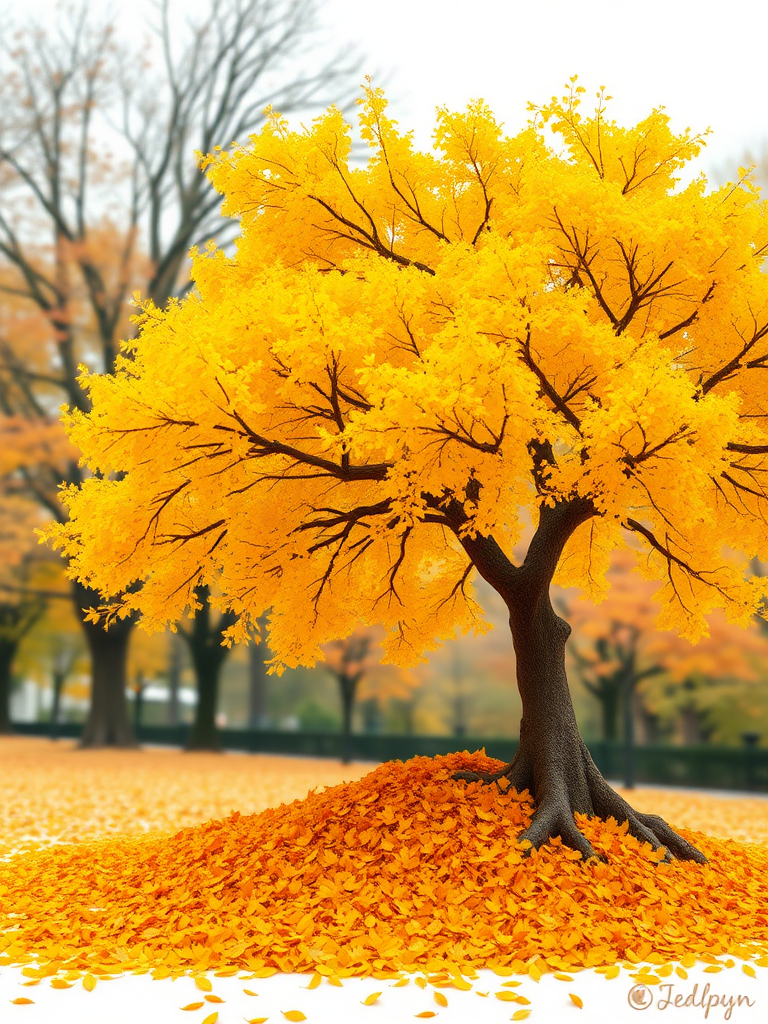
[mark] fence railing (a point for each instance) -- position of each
(706, 766)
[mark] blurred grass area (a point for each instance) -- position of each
(53, 793)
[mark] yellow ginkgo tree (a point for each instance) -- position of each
(356, 411)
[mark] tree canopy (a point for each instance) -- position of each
(402, 361)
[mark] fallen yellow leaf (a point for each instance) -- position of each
(211, 1018)
(564, 977)
(748, 970)
(440, 999)
(192, 1006)
(371, 999)
(293, 1015)
(89, 983)
(22, 1001)
(214, 999)
(426, 1013)
(315, 980)
(204, 984)
(248, 992)
(576, 1000)
(520, 1014)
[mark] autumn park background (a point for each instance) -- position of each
(103, 124)
(101, 198)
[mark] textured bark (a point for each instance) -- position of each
(552, 763)
(8, 650)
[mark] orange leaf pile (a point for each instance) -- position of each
(403, 869)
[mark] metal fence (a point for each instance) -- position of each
(705, 766)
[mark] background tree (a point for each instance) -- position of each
(617, 648)
(257, 679)
(354, 663)
(403, 356)
(205, 641)
(80, 230)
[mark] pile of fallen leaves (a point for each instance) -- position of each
(403, 869)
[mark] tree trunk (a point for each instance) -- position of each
(108, 724)
(552, 762)
(174, 679)
(348, 686)
(8, 650)
(609, 706)
(58, 686)
(257, 680)
(138, 702)
(205, 734)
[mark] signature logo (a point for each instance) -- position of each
(640, 997)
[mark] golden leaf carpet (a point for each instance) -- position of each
(399, 868)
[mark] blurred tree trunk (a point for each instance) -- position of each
(73, 220)
(258, 654)
(174, 679)
(8, 650)
(208, 655)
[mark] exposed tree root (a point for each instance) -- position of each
(558, 796)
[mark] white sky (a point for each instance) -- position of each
(704, 61)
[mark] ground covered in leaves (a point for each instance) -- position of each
(401, 869)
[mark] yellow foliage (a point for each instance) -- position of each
(402, 358)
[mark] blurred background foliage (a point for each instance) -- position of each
(100, 195)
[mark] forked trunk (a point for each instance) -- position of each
(552, 761)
